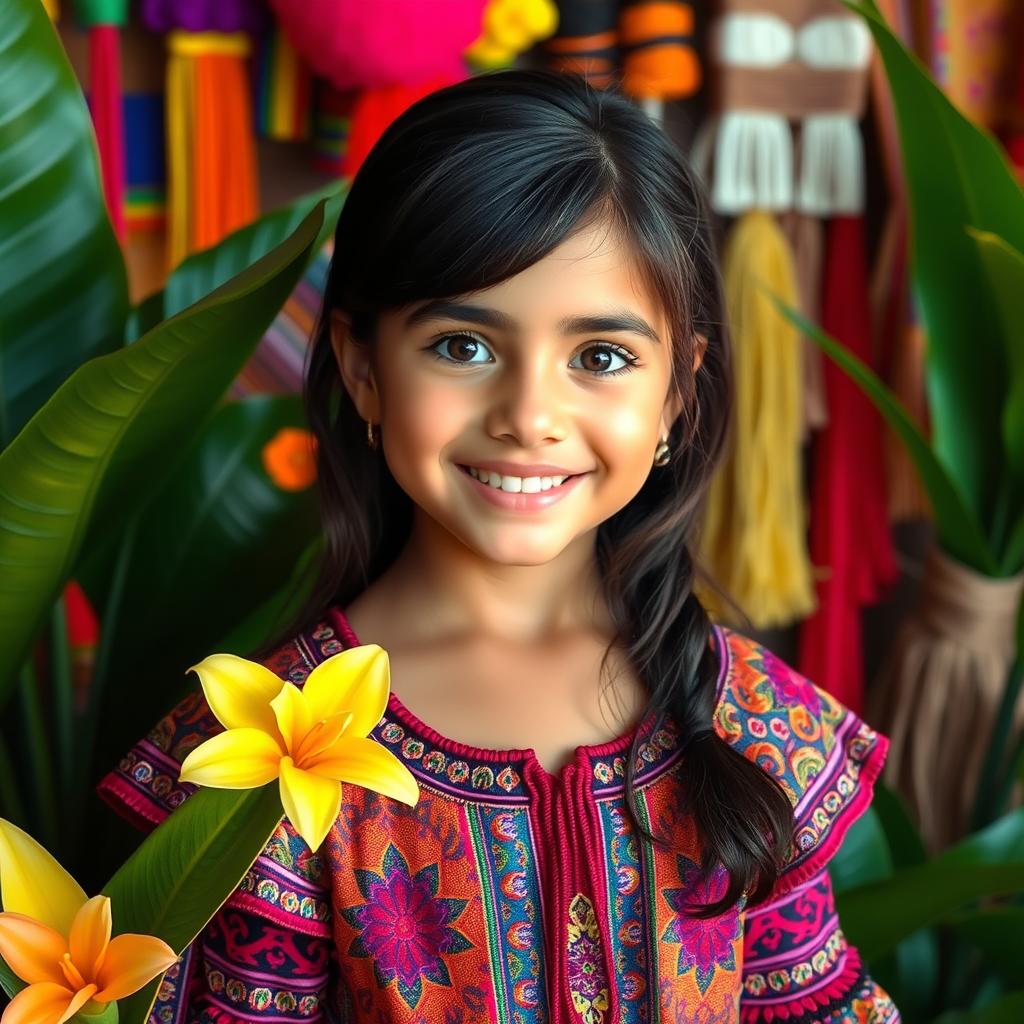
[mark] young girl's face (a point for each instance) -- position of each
(503, 375)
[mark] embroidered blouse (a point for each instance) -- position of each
(508, 894)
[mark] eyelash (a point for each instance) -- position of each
(631, 359)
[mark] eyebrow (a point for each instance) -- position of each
(614, 320)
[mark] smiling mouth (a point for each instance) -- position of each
(543, 490)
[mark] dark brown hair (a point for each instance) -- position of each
(470, 186)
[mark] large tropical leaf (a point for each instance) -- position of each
(187, 867)
(958, 528)
(957, 175)
(63, 289)
(112, 433)
(1005, 267)
(218, 539)
(201, 272)
(879, 915)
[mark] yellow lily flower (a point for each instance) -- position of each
(59, 942)
(312, 739)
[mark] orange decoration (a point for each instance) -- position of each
(289, 458)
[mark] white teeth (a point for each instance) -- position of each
(517, 484)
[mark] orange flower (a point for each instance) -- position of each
(289, 458)
(59, 942)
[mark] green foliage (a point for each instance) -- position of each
(63, 287)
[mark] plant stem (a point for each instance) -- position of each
(986, 800)
(39, 754)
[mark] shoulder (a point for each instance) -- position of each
(823, 755)
(144, 787)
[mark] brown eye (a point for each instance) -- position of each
(461, 348)
(599, 360)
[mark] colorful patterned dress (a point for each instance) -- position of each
(511, 895)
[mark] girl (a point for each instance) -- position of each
(520, 387)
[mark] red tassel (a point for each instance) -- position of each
(108, 116)
(850, 538)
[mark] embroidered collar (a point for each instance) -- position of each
(503, 776)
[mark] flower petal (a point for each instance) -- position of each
(311, 802)
(356, 680)
(238, 691)
(90, 933)
(80, 998)
(292, 715)
(368, 764)
(131, 961)
(236, 759)
(33, 883)
(324, 734)
(31, 949)
(44, 1003)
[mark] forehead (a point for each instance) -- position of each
(591, 272)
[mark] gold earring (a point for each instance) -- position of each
(661, 454)
(371, 439)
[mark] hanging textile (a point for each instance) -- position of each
(510, 27)
(586, 41)
(211, 149)
(850, 538)
(753, 531)
(659, 62)
(332, 119)
(103, 19)
(284, 90)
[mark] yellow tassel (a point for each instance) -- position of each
(754, 540)
(180, 101)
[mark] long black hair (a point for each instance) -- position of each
(468, 187)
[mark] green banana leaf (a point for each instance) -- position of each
(278, 610)
(877, 916)
(186, 868)
(110, 435)
(63, 287)
(905, 845)
(1009, 1009)
(1005, 268)
(1001, 841)
(998, 933)
(863, 856)
(957, 176)
(958, 528)
(215, 541)
(201, 272)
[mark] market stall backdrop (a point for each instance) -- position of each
(877, 546)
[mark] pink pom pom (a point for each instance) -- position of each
(356, 45)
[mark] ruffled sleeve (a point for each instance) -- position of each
(265, 955)
(797, 964)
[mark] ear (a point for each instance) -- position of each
(355, 366)
(674, 403)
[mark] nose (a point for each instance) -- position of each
(529, 405)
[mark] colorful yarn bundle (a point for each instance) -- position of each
(284, 90)
(658, 59)
(211, 150)
(587, 40)
(753, 534)
(509, 28)
(212, 186)
(332, 121)
(104, 19)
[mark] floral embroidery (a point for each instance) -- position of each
(706, 944)
(405, 926)
(588, 981)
